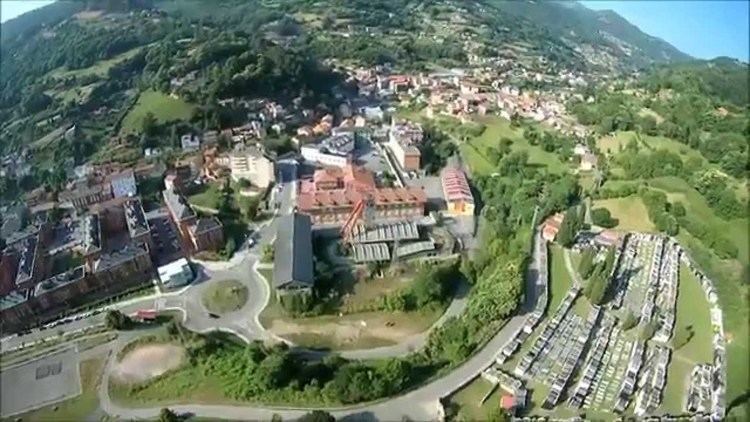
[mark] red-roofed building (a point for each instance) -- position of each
(508, 402)
(551, 226)
(457, 193)
(331, 196)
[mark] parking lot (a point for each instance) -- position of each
(40, 382)
(166, 238)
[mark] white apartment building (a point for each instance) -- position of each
(250, 163)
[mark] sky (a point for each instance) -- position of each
(9, 9)
(703, 29)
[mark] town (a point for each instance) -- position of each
(295, 213)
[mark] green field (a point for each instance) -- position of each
(99, 68)
(630, 212)
(475, 150)
(469, 400)
(224, 296)
(163, 107)
(697, 207)
(692, 311)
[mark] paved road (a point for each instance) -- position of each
(420, 404)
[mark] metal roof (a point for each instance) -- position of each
(293, 257)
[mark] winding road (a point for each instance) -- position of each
(420, 404)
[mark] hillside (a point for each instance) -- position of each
(604, 32)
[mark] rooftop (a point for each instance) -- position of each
(293, 258)
(60, 280)
(127, 253)
(91, 234)
(135, 218)
(26, 260)
(205, 224)
(16, 297)
(455, 185)
(348, 197)
(178, 205)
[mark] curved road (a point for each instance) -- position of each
(419, 404)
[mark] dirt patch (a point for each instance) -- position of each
(148, 361)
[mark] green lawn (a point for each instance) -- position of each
(99, 68)
(630, 212)
(692, 311)
(475, 150)
(224, 296)
(78, 408)
(208, 196)
(559, 279)
(163, 107)
(468, 400)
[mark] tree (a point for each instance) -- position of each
(167, 415)
(149, 125)
(116, 320)
(569, 228)
(317, 416)
(586, 266)
(267, 253)
(682, 336)
(677, 209)
(648, 330)
(602, 217)
(629, 321)
(276, 418)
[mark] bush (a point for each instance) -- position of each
(602, 217)
(648, 331)
(116, 320)
(629, 321)
(682, 336)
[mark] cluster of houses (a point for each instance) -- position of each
(461, 93)
(102, 244)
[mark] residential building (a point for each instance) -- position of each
(206, 234)
(201, 233)
(551, 226)
(30, 262)
(84, 194)
(190, 142)
(316, 154)
(293, 257)
(114, 273)
(123, 184)
(252, 164)
(404, 140)
(335, 150)
(135, 218)
(457, 192)
(588, 162)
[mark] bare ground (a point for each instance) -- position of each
(148, 361)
